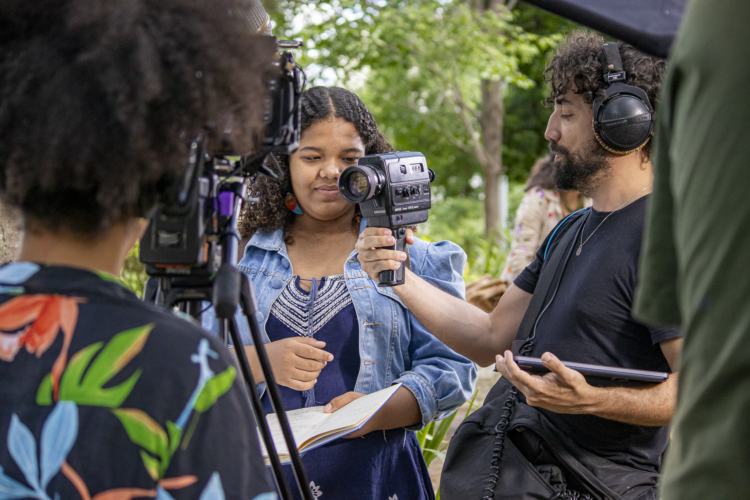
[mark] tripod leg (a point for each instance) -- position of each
(247, 302)
(257, 406)
(223, 329)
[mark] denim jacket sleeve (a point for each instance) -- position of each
(441, 379)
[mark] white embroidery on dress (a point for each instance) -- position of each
(394, 497)
(290, 307)
(315, 490)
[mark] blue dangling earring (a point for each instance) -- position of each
(291, 203)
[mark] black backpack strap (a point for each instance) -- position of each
(564, 247)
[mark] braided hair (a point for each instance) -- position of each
(269, 213)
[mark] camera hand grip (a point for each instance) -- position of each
(393, 278)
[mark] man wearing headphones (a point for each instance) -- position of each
(587, 310)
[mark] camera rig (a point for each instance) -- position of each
(393, 191)
(191, 244)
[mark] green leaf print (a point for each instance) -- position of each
(175, 433)
(149, 435)
(89, 389)
(44, 393)
(214, 389)
(151, 464)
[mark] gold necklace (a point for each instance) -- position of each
(578, 252)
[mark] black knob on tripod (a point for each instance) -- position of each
(226, 291)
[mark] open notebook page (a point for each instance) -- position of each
(302, 422)
(356, 413)
(308, 424)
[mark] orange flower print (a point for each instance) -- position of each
(33, 321)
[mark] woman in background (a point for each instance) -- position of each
(542, 207)
(332, 335)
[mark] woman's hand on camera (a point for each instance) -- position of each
(373, 257)
(297, 361)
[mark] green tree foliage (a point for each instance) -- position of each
(418, 66)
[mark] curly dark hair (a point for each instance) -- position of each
(576, 63)
(269, 213)
(99, 102)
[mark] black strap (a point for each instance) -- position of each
(567, 241)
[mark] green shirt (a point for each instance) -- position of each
(695, 268)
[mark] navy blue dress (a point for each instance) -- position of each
(385, 465)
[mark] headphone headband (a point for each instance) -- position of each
(609, 58)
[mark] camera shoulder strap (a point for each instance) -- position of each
(563, 248)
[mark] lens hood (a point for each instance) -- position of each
(360, 183)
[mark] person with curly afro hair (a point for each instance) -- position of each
(332, 334)
(104, 396)
(587, 314)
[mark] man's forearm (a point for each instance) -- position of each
(563, 390)
(461, 326)
(653, 405)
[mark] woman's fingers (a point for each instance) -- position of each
(303, 376)
(309, 348)
(298, 385)
(309, 365)
(341, 401)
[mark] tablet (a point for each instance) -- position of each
(535, 365)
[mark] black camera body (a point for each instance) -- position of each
(183, 238)
(393, 191)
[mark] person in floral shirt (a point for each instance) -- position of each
(102, 396)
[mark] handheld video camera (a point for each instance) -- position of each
(183, 238)
(393, 191)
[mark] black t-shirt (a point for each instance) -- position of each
(100, 391)
(590, 321)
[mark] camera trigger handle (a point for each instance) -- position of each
(393, 278)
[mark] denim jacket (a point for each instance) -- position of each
(393, 345)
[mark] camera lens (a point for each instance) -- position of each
(360, 183)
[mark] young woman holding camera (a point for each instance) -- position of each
(333, 335)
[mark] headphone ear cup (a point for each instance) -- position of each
(623, 120)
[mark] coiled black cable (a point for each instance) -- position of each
(501, 429)
(510, 402)
(497, 450)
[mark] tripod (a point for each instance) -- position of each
(227, 290)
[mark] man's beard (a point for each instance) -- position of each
(583, 170)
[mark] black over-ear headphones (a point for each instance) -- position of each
(623, 118)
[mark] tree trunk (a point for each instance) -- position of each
(492, 137)
(9, 236)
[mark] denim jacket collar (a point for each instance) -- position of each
(274, 240)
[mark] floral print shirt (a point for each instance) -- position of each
(104, 397)
(537, 215)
